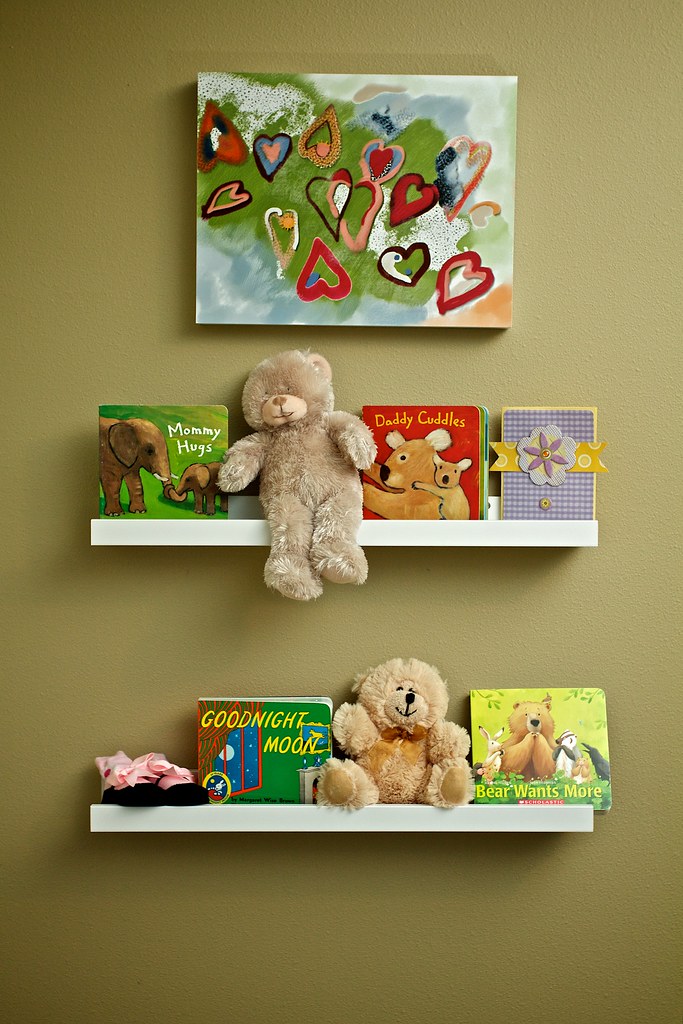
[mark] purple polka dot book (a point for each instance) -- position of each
(541, 746)
(263, 750)
(549, 458)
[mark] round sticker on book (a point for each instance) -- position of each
(218, 786)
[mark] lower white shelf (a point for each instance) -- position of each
(378, 818)
(246, 528)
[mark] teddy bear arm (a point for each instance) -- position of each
(353, 729)
(446, 741)
(353, 439)
(242, 463)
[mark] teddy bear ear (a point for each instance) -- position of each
(321, 364)
(359, 680)
(464, 464)
(395, 439)
(439, 439)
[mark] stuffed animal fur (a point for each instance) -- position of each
(308, 457)
(402, 748)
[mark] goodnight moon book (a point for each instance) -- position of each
(263, 750)
(540, 746)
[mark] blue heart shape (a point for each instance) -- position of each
(270, 165)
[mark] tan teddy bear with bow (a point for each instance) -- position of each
(308, 457)
(402, 748)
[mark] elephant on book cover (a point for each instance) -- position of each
(126, 447)
(202, 479)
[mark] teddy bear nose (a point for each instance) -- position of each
(280, 400)
(445, 479)
(410, 697)
(535, 721)
(383, 473)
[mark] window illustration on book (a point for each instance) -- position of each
(539, 746)
(153, 457)
(432, 462)
(266, 750)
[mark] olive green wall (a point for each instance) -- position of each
(108, 648)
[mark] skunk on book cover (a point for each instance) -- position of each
(265, 750)
(432, 462)
(539, 746)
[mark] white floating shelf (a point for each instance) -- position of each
(378, 818)
(248, 529)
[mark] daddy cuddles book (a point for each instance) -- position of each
(162, 461)
(265, 750)
(540, 746)
(432, 462)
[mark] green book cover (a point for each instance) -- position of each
(263, 750)
(545, 746)
(162, 461)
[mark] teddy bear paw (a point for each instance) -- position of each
(345, 784)
(341, 563)
(292, 577)
(450, 786)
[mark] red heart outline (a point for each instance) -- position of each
(472, 270)
(239, 200)
(405, 254)
(378, 152)
(309, 293)
(401, 208)
(478, 153)
(231, 146)
(359, 243)
(343, 177)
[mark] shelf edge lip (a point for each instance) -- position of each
(293, 818)
(373, 533)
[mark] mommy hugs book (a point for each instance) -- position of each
(432, 462)
(162, 461)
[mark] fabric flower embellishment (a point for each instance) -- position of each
(546, 455)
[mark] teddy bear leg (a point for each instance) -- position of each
(345, 784)
(450, 784)
(288, 569)
(335, 552)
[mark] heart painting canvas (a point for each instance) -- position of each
(351, 200)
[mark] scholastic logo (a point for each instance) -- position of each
(540, 801)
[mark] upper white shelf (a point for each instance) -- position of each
(378, 818)
(247, 528)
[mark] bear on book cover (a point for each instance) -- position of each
(541, 746)
(431, 462)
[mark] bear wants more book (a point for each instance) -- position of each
(432, 462)
(265, 750)
(539, 746)
(162, 461)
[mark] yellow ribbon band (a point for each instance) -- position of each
(587, 457)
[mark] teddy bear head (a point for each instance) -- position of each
(403, 693)
(412, 460)
(291, 387)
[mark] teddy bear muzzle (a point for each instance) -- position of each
(279, 410)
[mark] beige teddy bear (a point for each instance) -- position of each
(402, 748)
(308, 457)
